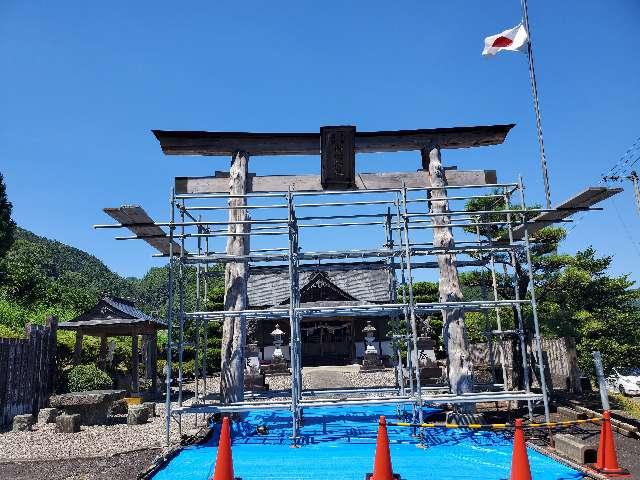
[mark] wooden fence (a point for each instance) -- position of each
(27, 371)
(559, 357)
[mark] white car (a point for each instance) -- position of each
(625, 380)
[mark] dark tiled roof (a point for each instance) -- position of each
(127, 307)
(109, 308)
(267, 289)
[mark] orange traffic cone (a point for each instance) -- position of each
(382, 469)
(224, 460)
(607, 460)
(520, 469)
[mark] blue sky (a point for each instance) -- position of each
(83, 83)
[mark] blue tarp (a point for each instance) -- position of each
(339, 443)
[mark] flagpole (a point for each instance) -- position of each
(536, 107)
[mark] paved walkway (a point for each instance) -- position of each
(324, 377)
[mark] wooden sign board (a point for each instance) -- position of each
(337, 157)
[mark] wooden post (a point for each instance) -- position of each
(102, 353)
(151, 367)
(454, 329)
(135, 381)
(52, 323)
(236, 276)
(77, 351)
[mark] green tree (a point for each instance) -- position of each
(7, 225)
(576, 295)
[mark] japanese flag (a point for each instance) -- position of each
(514, 39)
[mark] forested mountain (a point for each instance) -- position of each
(42, 277)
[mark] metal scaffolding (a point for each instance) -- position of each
(403, 234)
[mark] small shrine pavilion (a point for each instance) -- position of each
(119, 317)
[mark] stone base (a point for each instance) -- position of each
(138, 415)
(254, 381)
(371, 362)
(430, 374)
(22, 423)
(278, 366)
(48, 415)
(68, 423)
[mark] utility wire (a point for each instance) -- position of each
(625, 163)
(626, 229)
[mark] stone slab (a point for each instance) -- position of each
(93, 406)
(89, 397)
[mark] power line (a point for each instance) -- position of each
(626, 229)
(623, 167)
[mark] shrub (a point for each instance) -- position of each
(88, 377)
(8, 332)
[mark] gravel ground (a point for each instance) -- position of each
(43, 443)
(385, 378)
(121, 466)
(99, 441)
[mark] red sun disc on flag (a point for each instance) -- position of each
(502, 42)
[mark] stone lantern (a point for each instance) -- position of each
(278, 362)
(277, 341)
(371, 358)
(369, 337)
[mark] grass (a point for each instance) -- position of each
(627, 404)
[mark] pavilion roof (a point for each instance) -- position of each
(114, 316)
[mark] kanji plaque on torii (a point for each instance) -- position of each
(338, 158)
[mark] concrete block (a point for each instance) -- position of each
(68, 423)
(138, 415)
(48, 415)
(569, 414)
(22, 423)
(581, 451)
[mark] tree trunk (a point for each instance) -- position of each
(454, 330)
(236, 276)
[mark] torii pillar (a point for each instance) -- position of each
(236, 277)
(454, 330)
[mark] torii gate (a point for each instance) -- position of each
(337, 147)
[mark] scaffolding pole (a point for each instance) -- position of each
(521, 330)
(534, 308)
(412, 311)
(167, 408)
(395, 255)
(294, 325)
(405, 310)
